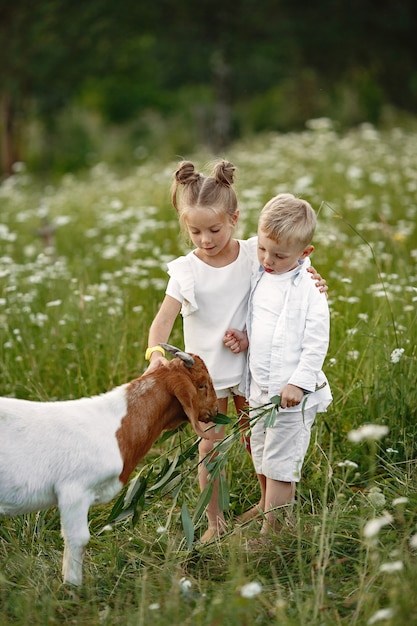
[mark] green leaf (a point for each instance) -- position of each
(166, 435)
(140, 505)
(223, 496)
(116, 509)
(188, 525)
(203, 501)
(189, 453)
(135, 488)
(270, 419)
(174, 482)
(276, 400)
(169, 469)
(130, 499)
(222, 419)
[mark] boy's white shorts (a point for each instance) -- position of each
(278, 451)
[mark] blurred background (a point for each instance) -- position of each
(85, 81)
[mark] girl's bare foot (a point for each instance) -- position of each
(214, 532)
(255, 511)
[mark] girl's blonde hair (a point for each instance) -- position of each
(192, 190)
(287, 218)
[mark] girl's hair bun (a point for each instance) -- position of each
(224, 173)
(186, 173)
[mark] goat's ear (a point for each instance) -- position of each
(186, 395)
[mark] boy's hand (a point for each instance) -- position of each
(291, 396)
(235, 340)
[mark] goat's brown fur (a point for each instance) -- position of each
(171, 394)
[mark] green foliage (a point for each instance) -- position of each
(181, 71)
(74, 315)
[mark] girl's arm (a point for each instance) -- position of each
(161, 328)
(320, 282)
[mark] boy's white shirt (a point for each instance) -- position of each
(299, 341)
(213, 300)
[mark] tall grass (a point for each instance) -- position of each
(74, 319)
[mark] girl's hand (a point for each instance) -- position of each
(321, 282)
(235, 340)
(157, 360)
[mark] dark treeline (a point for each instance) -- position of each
(217, 70)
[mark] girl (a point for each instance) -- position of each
(210, 286)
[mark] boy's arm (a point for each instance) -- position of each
(314, 345)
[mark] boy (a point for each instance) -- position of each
(288, 335)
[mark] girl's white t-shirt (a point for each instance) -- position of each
(213, 300)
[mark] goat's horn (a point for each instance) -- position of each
(188, 360)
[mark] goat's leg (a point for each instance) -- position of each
(74, 529)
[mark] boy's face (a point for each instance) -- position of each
(279, 257)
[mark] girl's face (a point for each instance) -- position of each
(279, 257)
(210, 232)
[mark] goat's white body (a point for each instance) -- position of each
(77, 453)
(67, 455)
(57, 444)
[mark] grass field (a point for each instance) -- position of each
(74, 316)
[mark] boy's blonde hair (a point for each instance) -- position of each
(287, 218)
(192, 190)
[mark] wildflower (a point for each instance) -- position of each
(353, 355)
(154, 606)
(380, 615)
(351, 331)
(354, 172)
(413, 542)
(116, 204)
(320, 123)
(396, 355)
(161, 530)
(348, 463)
(53, 303)
(372, 528)
(368, 432)
(303, 183)
(107, 528)
(376, 497)
(18, 167)
(394, 566)
(401, 500)
(185, 585)
(250, 590)
(392, 450)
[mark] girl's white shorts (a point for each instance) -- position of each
(229, 392)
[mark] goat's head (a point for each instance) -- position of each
(193, 388)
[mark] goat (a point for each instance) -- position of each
(77, 453)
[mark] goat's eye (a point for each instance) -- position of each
(202, 386)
